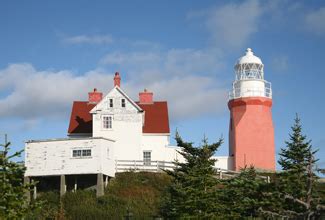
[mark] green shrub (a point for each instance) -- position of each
(138, 194)
(50, 202)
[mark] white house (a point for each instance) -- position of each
(106, 135)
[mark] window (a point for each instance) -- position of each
(81, 153)
(107, 122)
(123, 103)
(111, 103)
(86, 153)
(147, 158)
(76, 153)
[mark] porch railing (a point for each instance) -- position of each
(141, 165)
(159, 166)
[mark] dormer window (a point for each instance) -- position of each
(107, 122)
(111, 103)
(123, 103)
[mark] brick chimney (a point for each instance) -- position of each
(145, 97)
(117, 79)
(95, 97)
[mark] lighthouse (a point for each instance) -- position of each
(251, 133)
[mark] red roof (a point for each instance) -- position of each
(156, 118)
(81, 120)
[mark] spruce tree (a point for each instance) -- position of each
(297, 181)
(13, 203)
(192, 193)
(243, 195)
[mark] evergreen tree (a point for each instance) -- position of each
(13, 203)
(192, 193)
(243, 195)
(298, 181)
(294, 160)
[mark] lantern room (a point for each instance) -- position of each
(249, 81)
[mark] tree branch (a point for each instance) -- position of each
(270, 213)
(320, 207)
(306, 205)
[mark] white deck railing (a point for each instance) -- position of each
(140, 165)
(159, 166)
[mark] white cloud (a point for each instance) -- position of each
(187, 78)
(170, 62)
(314, 21)
(32, 93)
(37, 94)
(192, 61)
(231, 24)
(89, 39)
(192, 96)
(132, 59)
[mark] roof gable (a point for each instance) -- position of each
(102, 105)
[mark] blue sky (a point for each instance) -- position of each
(54, 52)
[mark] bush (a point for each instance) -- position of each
(130, 193)
(50, 202)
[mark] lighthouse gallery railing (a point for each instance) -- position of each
(238, 92)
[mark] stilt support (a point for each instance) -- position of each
(75, 184)
(100, 185)
(106, 181)
(62, 185)
(34, 190)
(27, 193)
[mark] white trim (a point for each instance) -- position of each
(128, 98)
(94, 110)
(67, 139)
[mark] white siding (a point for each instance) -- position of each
(126, 125)
(55, 157)
(158, 144)
(223, 162)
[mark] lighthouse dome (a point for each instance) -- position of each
(249, 58)
(249, 67)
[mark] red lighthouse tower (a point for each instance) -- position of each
(251, 133)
